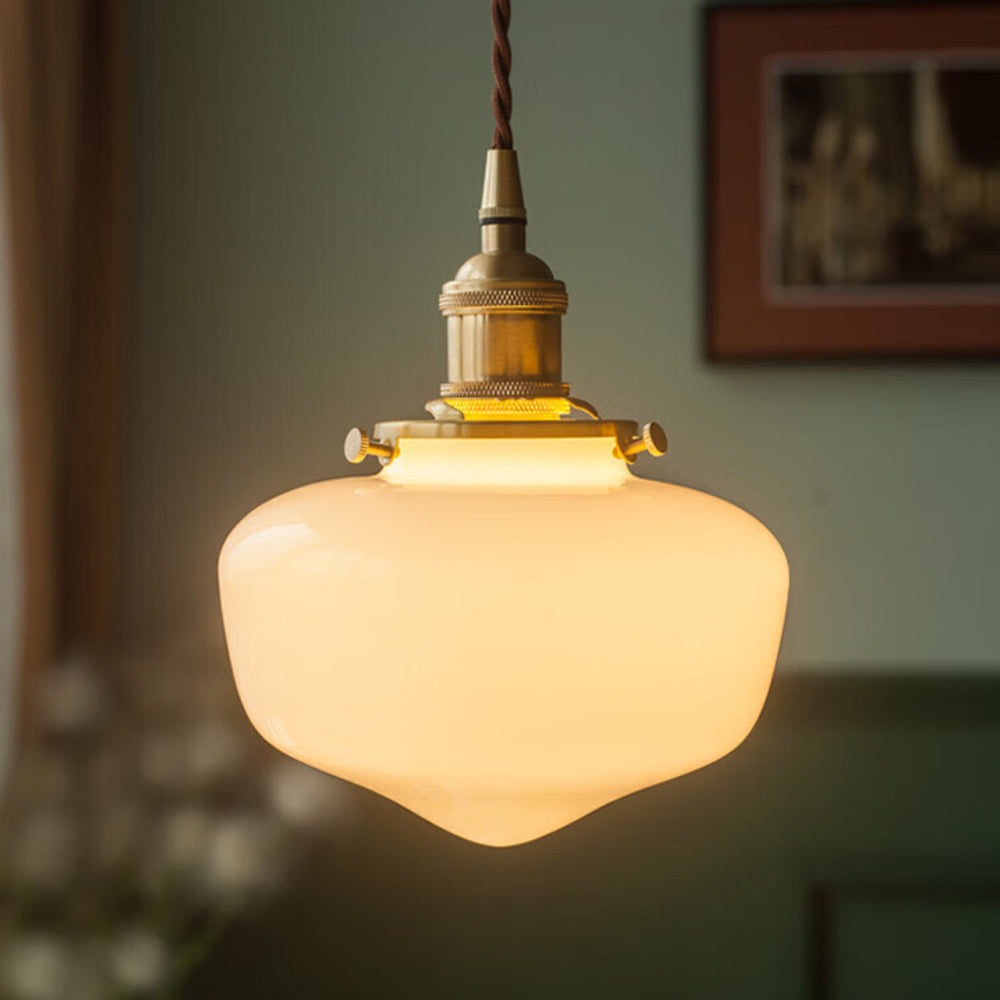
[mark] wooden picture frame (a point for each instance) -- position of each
(830, 235)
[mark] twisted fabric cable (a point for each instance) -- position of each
(503, 138)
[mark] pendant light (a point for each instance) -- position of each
(504, 628)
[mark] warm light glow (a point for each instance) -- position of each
(508, 464)
(503, 635)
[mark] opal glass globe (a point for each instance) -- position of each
(503, 635)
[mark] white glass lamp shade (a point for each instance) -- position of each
(502, 635)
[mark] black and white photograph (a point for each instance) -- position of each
(884, 177)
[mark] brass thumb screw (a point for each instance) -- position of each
(358, 446)
(653, 440)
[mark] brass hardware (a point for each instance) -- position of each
(504, 307)
(502, 198)
(621, 432)
(504, 314)
(511, 407)
(502, 389)
(526, 298)
(358, 446)
(653, 439)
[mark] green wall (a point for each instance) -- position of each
(307, 174)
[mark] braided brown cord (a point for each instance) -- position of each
(503, 138)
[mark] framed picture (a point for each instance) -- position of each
(853, 181)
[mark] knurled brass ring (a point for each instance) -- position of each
(503, 389)
(504, 299)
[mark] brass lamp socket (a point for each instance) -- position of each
(504, 314)
(504, 308)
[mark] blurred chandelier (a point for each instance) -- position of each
(503, 629)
